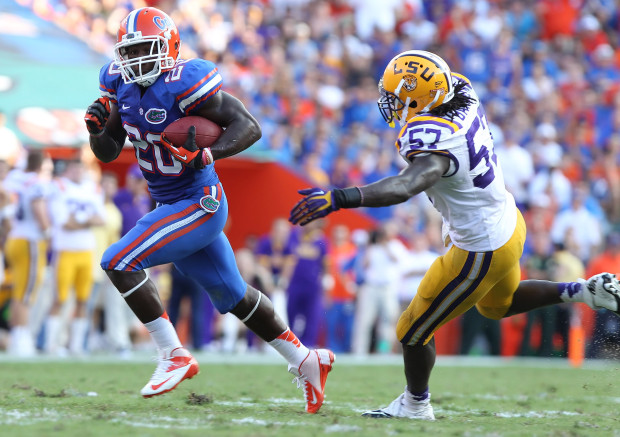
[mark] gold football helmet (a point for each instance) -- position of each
(413, 82)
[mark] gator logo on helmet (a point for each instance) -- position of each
(155, 115)
(410, 82)
(162, 22)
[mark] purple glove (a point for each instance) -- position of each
(316, 204)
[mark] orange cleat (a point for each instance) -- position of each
(311, 375)
(173, 367)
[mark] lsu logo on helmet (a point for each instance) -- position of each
(410, 82)
(413, 82)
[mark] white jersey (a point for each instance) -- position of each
(478, 213)
(26, 188)
(82, 201)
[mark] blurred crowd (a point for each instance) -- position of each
(548, 73)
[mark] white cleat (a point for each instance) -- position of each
(422, 410)
(602, 291)
(311, 376)
(172, 368)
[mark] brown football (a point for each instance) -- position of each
(206, 131)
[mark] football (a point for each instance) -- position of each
(206, 131)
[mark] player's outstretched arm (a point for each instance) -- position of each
(242, 129)
(107, 135)
(419, 175)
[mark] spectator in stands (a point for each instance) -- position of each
(518, 168)
(579, 224)
(551, 182)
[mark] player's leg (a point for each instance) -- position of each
(27, 261)
(599, 291)
(83, 285)
(453, 284)
(64, 271)
(169, 232)
(445, 292)
(215, 269)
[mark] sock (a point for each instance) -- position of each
(570, 291)
(163, 333)
(413, 398)
(79, 327)
(21, 342)
(230, 332)
(289, 346)
(52, 328)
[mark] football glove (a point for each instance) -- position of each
(316, 204)
(97, 116)
(189, 154)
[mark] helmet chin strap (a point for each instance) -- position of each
(430, 105)
(403, 114)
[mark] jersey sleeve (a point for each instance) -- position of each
(109, 76)
(199, 80)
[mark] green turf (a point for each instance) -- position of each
(51, 399)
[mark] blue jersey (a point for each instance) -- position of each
(175, 94)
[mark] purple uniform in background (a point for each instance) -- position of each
(277, 255)
(305, 291)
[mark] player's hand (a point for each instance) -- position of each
(97, 116)
(316, 204)
(189, 154)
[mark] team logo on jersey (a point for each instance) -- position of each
(410, 82)
(156, 115)
(209, 203)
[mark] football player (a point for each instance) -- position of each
(76, 208)
(446, 142)
(145, 88)
(27, 245)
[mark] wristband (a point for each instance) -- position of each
(347, 197)
(207, 156)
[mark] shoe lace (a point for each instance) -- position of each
(162, 367)
(301, 383)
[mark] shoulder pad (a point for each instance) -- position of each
(109, 77)
(193, 82)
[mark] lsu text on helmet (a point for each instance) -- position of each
(155, 30)
(413, 82)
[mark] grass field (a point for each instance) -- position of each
(253, 396)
